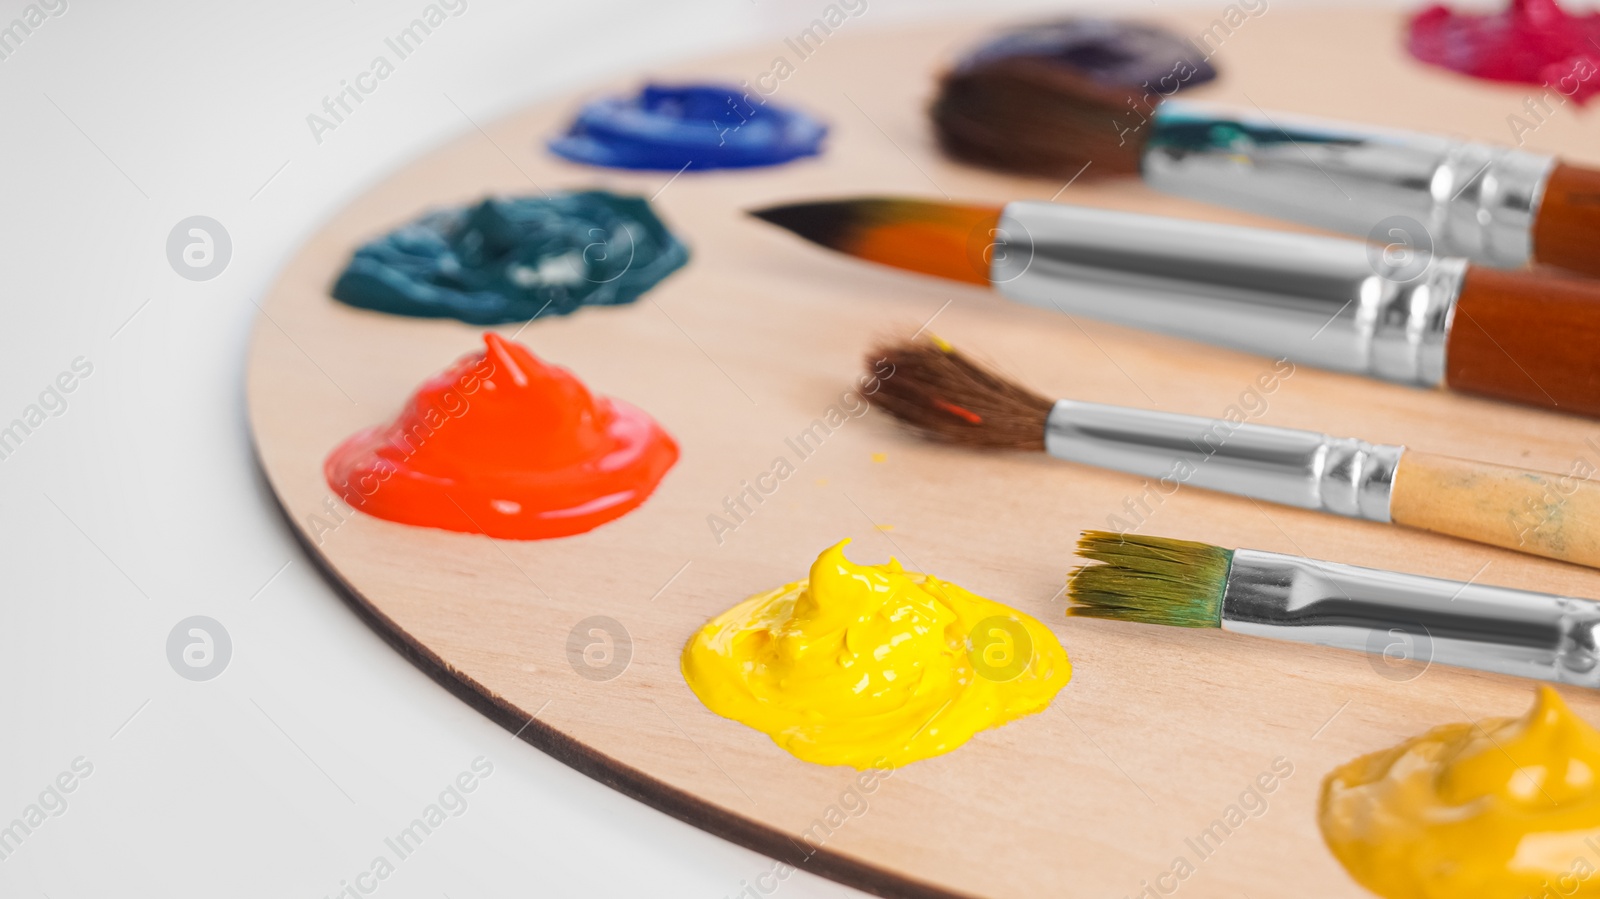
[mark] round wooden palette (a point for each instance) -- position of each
(1160, 730)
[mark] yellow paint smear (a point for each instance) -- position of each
(872, 665)
(1505, 807)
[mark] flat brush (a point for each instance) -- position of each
(1495, 205)
(1527, 337)
(944, 396)
(1179, 583)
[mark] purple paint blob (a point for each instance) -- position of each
(1106, 51)
(703, 126)
(1531, 42)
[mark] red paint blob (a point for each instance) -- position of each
(505, 445)
(1532, 42)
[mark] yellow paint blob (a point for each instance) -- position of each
(1506, 807)
(872, 665)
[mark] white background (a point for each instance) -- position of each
(139, 504)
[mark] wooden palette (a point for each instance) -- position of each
(1159, 731)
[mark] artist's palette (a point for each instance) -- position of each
(1160, 732)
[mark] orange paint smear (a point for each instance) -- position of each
(963, 414)
(504, 445)
(954, 243)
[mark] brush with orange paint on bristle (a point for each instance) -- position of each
(944, 396)
(1034, 113)
(1340, 304)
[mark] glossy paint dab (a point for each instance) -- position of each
(1501, 807)
(1529, 42)
(510, 259)
(693, 126)
(873, 666)
(1107, 52)
(505, 445)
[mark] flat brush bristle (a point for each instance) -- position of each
(1037, 117)
(1152, 580)
(944, 396)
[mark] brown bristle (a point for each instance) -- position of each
(945, 396)
(1034, 117)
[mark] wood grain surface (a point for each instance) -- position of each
(1160, 730)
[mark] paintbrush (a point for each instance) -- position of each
(1496, 205)
(1180, 583)
(1330, 302)
(944, 396)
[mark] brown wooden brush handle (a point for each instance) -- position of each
(1548, 515)
(1567, 229)
(1528, 337)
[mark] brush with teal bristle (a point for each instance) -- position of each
(1181, 583)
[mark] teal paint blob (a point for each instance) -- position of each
(511, 259)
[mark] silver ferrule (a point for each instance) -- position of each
(1469, 199)
(1322, 301)
(1418, 619)
(1278, 465)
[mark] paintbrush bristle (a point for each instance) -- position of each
(1036, 117)
(1153, 580)
(945, 396)
(947, 240)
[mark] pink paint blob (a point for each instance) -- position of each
(1531, 42)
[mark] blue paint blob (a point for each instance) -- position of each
(513, 259)
(707, 126)
(1106, 51)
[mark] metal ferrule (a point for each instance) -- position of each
(1279, 465)
(1471, 199)
(1328, 302)
(1416, 618)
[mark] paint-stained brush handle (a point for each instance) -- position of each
(1466, 199)
(1529, 511)
(1534, 512)
(1494, 205)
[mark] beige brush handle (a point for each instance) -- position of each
(1556, 516)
